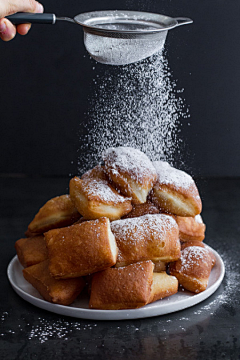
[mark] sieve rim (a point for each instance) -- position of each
(92, 21)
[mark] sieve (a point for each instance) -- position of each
(115, 37)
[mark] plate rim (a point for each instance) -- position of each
(156, 308)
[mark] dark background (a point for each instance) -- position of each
(46, 82)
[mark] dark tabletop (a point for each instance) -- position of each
(209, 330)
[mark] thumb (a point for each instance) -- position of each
(24, 6)
(30, 6)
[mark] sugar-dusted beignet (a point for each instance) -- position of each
(122, 288)
(31, 251)
(81, 249)
(175, 191)
(191, 228)
(95, 198)
(142, 209)
(57, 212)
(62, 292)
(201, 244)
(148, 237)
(163, 285)
(97, 172)
(193, 268)
(131, 171)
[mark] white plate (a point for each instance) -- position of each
(79, 309)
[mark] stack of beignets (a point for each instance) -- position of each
(130, 229)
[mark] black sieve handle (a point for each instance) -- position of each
(24, 18)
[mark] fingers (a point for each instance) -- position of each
(30, 6)
(22, 6)
(7, 30)
(23, 29)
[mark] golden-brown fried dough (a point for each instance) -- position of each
(130, 287)
(131, 171)
(31, 251)
(149, 237)
(160, 266)
(81, 249)
(193, 268)
(175, 191)
(95, 198)
(97, 172)
(191, 228)
(163, 285)
(201, 244)
(62, 292)
(142, 209)
(57, 212)
(122, 288)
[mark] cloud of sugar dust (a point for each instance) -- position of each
(139, 106)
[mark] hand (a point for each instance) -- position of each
(8, 7)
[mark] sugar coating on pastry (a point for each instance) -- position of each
(175, 191)
(169, 175)
(62, 292)
(191, 228)
(126, 287)
(198, 219)
(31, 250)
(148, 237)
(57, 212)
(96, 173)
(95, 198)
(81, 249)
(186, 244)
(193, 268)
(131, 171)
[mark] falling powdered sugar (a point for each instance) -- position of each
(137, 106)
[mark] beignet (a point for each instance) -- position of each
(95, 198)
(131, 171)
(130, 287)
(163, 285)
(122, 288)
(191, 228)
(97, 172)
(149, 237)
(31, 251)
(62, 292)
(175, 191)
(193, 268)
(201, 244)
(81, 249)
(56, 213)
